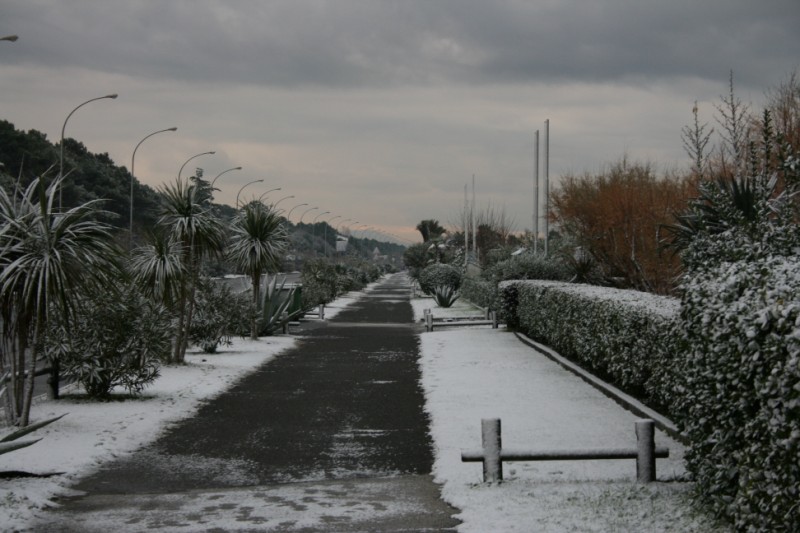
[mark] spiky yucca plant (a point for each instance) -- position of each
(445, 295)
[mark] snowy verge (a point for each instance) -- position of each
(470, 374)
(95, 432)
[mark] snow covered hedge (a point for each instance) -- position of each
(629, 338)
(480, 292)
(741, 406)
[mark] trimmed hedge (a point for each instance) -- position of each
(741, 406)
(629, 338)
(480, 292)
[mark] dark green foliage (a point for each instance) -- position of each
(629, 338)
(528, 266)
(740, 401)
(217, 313)
(114, 340)
(319, 282)
(445, 295)
(439, 275)
(417, 257)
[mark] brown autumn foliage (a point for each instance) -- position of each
(617, 218)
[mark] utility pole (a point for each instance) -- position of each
(535, 227)
(546, 186)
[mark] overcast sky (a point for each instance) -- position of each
(381, 111)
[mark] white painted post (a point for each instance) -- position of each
(646, 449)
(492, 444)
(322, 311)
(493, 315)
(429, 321)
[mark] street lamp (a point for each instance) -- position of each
(325, 237)
(304, 213)
(63, 128)
(292, 209)
(282, 199)
(133, 159)
(260, 198)
(314, 228)
(342, 223)
(243, 186)
(11, 38)
(211, 186)
(197, 155)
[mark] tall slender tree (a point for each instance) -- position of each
(258, 241)
(191, 223)
(47, 257)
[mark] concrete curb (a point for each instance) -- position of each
(625, 400)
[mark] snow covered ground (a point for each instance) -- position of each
(468, 374)
(474, 373)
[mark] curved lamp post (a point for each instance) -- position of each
(243, 186)
(314, 228)
(292, 209)
(260, 198)
(304, 213)
(325, 229)
(64, 127)
(282, 199)
(133, 176)
(220, 174)
(194, 156)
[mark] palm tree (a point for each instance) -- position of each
(156, 268)
(430, 229)
(258, 240)
(191, 223)
(46, 257)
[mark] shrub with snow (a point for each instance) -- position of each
(437, 275)
(628, 337)
(741, 399)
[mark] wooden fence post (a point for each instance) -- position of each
(492, 444)
(493, 318)
(322, 311)
(428, 320)
(645, 445)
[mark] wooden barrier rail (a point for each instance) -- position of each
(493, 454)
(430, 322)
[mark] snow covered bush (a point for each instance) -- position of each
(439, 274)
(628, 337)
(528, 266)
(218, 313)
(480, 292)
(741, 399)
(114, 340)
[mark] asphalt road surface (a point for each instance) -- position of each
(336, 423)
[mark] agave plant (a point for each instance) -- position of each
(445, 295)
(11, 442)
(275, 309)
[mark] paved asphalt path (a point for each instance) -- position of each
(337, 424)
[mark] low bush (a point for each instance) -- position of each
(629, 338)
(113, 340)
(438, 275)
(218, 314)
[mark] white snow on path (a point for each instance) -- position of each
(475, 373)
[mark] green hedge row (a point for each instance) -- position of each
(480, 292)
(628, 338)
